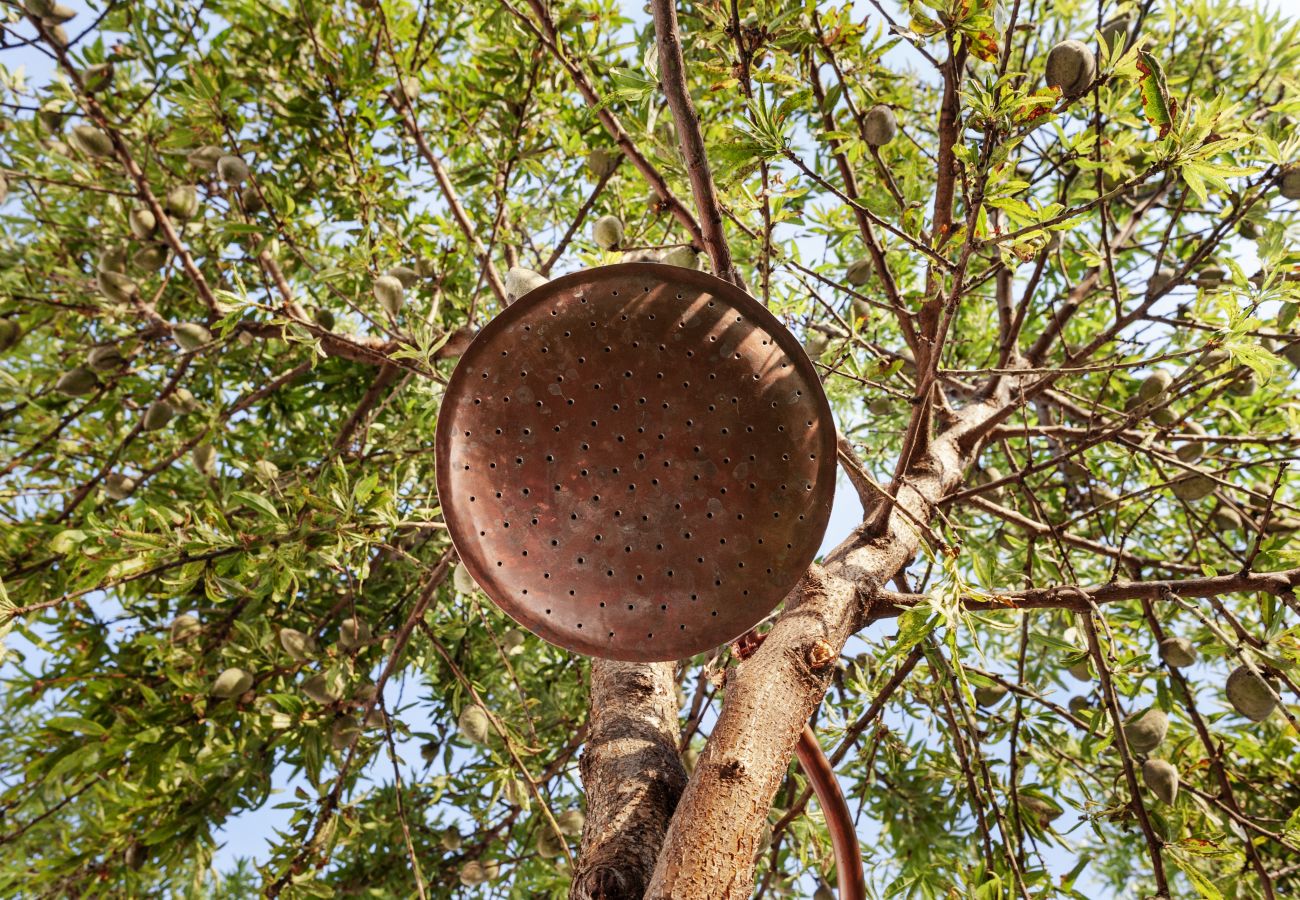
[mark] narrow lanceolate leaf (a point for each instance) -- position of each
(1158, 106)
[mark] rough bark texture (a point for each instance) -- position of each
(709, 850)
(633, 777)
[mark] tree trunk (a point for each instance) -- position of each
(633, 778)
(708, 853)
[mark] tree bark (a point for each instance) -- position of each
(633, 778)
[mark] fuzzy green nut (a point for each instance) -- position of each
(150, 257)
(344, 733)
(684, 257)
(602, 162)
(473, 724)
(118, 486)
(823, 893)
(1146, 731)
(879, 125)
(571, 822)
(520, 281)
(1114, 31)
(990, 695)
(1080, 705)
(10, 332)
(1244, 384)
(76, 382)
(97, 77)
(142, 222)
(388, 291)
(1191, 451)
(1178, 652)
(1288, 184)
(251, 200)
(450, 839)
(1039, 810)
(1192, 487)
(319, 689)
(299, 645)
(405, 274)
(1225, 518)
(607, 232)
(105, 359)
(1071, 67)
(205, 157)
(462, 581)
(91, 141)
(859, 272)
(1250, 695)
(116, 286)
(353, 633)
(1081, 671)
(1163, 277)
(191, 336)
(231, 683)
(472, 874)
(232, 170)
(549, 844)
(183, 628)
(204, 457)
(159, 413)
(1161, 778)
(1153, 387)
(182, 201)
(513, 642)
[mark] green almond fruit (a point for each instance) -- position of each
(879, 125)
(450, 838)
(375, 720)
(142, 221)
(406, 275)
(1163, 416)
(251, 200)
(10, 332)
(990, 695)
(428, 753)
(602, 162)
(91, 141)
(1178, 652)
(513, 642)
(318, 689)
(1071, 67)
(323, 317)
(205, 157)
(1146, 731)
(76, 382)
(105, 359)
(549, 844)
(1161, 778)
(150, 257)
(231, 683)
(1289, 184)
(190, 336)
(1163, 277)
(859, 272)
(135, 856)
(117, 287)
(1080, 705)
(41, 9)
(1211, 276)
(815, 344)
(571, 822)
(232, 170)
(184, 402)
(58, 34)
(1191, 488)
(353, 633)
(520, 281)
(388, 291)
(607, 232)
(1154, 386)
(159, 413)
(182, 201)
(111, 259)
(204, 457)
(472, 874)
(685, 257)
(516, 793)
(1081, 671)
(1114, 31)
(462, 581)
(1191, 451)
(473, 724)
(1250, 695)
(1225, 518)
(118, 486)
(183, 628)
(299, 645)
(1040, 810)
(823, 893)
(1244, 384)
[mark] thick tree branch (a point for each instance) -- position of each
(672, 75)
(633, 778)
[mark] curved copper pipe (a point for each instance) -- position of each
(844, 838)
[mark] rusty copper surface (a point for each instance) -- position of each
(636, 461)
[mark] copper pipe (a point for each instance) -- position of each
(844, 838)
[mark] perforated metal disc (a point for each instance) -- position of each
(636, 461)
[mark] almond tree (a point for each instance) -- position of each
(1043, 255)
